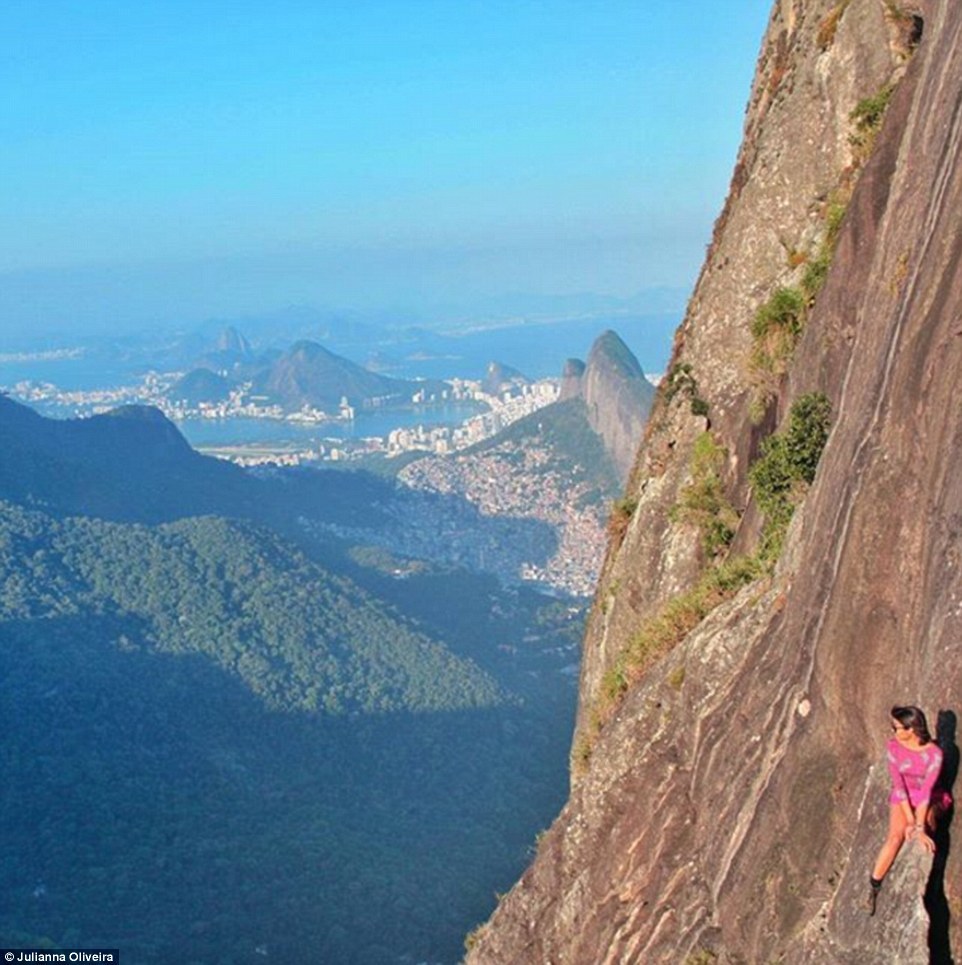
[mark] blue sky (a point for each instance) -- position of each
(169, 161)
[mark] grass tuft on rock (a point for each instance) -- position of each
(776, 329)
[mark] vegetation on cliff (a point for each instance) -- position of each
(867, 118)
(776, 328)
(816, 266)
(780, 478)
(703, 502)
(662, 632)
(681, 379)
(786, 467)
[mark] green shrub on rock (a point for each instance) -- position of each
(776, 329)
(867, 118)
(703, 502)
(786, 467)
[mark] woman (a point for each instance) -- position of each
(914, 762)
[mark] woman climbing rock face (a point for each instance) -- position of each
(914, 763)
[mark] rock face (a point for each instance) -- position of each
(734, 800)
(571, 375)
(616, 393)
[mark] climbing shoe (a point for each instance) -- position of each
(871, 897)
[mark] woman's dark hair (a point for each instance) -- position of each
(914, 719)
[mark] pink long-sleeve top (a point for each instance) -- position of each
(913, 773)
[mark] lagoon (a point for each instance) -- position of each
(226, 432)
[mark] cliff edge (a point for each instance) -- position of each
(758, 616)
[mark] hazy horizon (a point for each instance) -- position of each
(173, 162)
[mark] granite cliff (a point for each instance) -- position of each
(752, 627)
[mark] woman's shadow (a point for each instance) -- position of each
(936, 904)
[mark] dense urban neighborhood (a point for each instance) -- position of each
(506, 510)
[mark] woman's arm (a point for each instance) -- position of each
(922, 809)
(900, 793)
(920, 831)
(931, 774)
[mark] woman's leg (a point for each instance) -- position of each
(893, 842)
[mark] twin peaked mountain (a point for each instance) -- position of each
(616, 394)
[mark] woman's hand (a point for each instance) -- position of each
(925, 841)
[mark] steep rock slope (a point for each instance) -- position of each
(571, 376)
(795, 153)
(734, 797)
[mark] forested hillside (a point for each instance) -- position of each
(298, 637)
(226, 738)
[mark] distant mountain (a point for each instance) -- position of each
(311, 375)
(201, 711)
(574, 449)
(540, 348)
(597, 422)
(223, 718)
(233, 354)
(617, 395)
(547, 476)
(533, 334)
(133, 465)
(231, 342)
(345, 330)
(201, 385)
(498, 377)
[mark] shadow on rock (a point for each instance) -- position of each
(936, 903)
